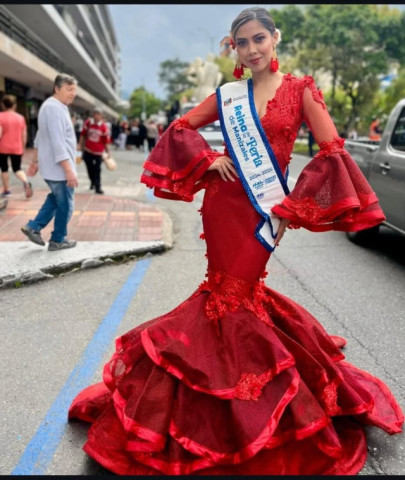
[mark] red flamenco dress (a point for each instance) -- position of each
(239, 379)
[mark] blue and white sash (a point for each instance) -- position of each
(252, 156)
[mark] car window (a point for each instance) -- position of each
(398, 135)
(212, 127)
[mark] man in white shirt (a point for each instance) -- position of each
(56, 157)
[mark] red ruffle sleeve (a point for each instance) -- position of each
(177, 163)
(331, 192)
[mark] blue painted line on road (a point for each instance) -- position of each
(39, 452)
(150, 196)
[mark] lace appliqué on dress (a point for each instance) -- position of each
(329, 147)
(228, 293)
(329, 400)
(250, 385)
(317, 94)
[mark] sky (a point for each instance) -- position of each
(149, 34)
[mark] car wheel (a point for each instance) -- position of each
(364, 237)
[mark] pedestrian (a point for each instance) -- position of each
(352, 135)
(142, 135)
(311, 141)
(122, 136)
(13, 138)
(55, 145)
(152, 134)
(78, 123)
(93, 142)
(374, 131)
(239, 379)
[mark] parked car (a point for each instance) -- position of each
(383, 164)
(211, 132)
(213, 135)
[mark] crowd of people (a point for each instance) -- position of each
(136, 134)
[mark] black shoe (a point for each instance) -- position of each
(61, 245)
(100, 192)
(33, 235)
(92, 187)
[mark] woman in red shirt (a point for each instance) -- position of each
(13, 137)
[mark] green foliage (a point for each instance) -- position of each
(141, 99)
(394, 93)
(390, 31)
(289, 20)
(173, 77)
(226, 66)
(352, 43)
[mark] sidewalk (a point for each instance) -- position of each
(105, 227)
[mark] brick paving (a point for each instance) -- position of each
(95, 218)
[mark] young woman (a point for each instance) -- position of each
(239, 379)
(13, 137)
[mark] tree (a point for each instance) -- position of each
(226, 66)
(348, 43)
(142, 100)
(173, 77)
(390, 31)
(289, 20)
(395, 92)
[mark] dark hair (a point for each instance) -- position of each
(8, 101)
(63, 78)
(253, 13)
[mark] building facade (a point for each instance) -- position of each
(38, 41)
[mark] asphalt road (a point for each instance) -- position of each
(57, 334)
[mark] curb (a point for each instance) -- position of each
(88, 261)
(28, 277)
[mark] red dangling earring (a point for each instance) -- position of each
(274, 62)
(238, 71)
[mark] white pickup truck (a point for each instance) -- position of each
(383, 164)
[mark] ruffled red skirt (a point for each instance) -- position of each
(238, 379)
(260, 388)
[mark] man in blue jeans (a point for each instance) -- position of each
(56, 157)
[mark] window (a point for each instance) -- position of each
(398, 135)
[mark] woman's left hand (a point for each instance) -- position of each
(281, 230)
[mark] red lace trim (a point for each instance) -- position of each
(204, 155)
(328, 147)
(228, 293)
(344, 215)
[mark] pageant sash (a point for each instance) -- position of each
(252, 156)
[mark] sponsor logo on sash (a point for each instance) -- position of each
(252, 155)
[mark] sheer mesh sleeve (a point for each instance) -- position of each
(175, 166)
(331, 192)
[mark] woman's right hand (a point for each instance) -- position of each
(32, 169)
(225, 167)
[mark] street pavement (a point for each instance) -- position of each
(106, 227)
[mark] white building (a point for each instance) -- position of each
(38, 41)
